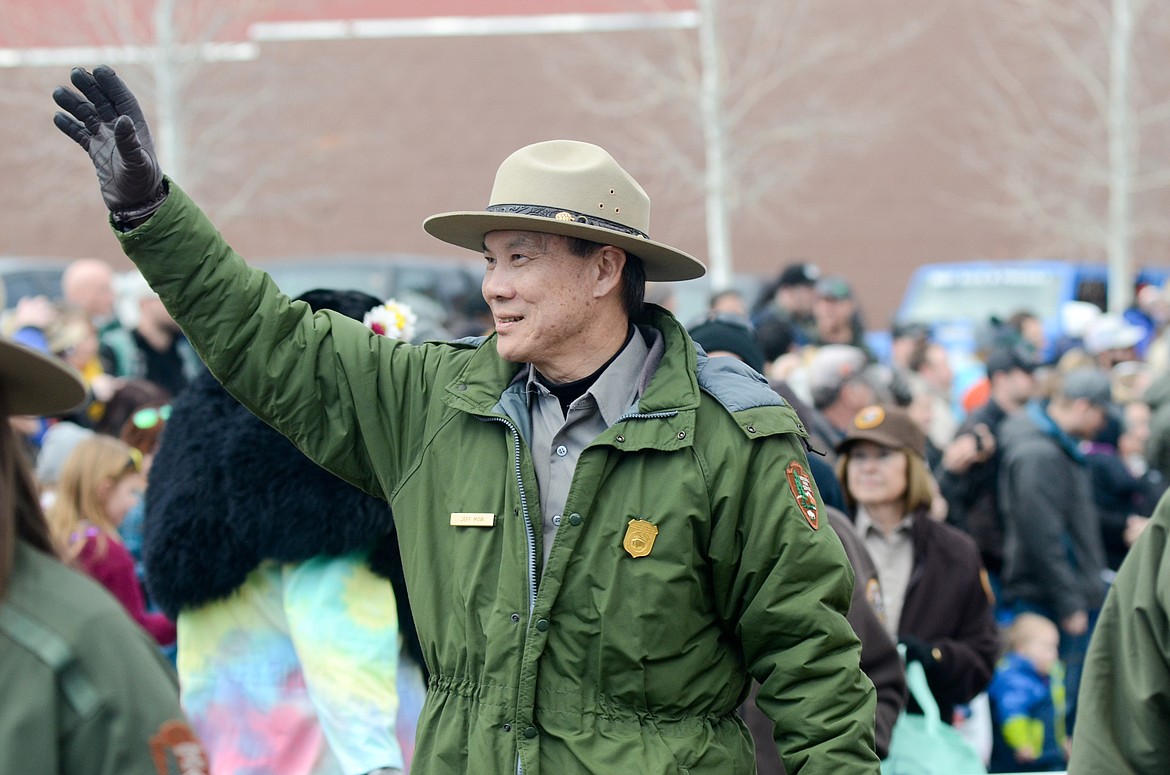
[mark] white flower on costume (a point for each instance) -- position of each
(392, 319)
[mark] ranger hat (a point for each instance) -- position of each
(37, 384)
(573, 189)
(889, 426)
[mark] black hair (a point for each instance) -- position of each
(21, 517)
(633, 274)
(352, 304)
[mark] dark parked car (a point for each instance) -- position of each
(30, 277)
(444, 293)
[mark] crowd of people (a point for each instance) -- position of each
(621, 533)
(1032, 482)
(292, 637)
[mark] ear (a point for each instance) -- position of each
(104, 488)
(609, 264)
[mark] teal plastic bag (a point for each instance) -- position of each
(924, 745)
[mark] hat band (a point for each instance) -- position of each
(557, 214)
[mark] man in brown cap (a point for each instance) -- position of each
(603, 532)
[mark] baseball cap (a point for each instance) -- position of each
(800, 273)
(1006, 359)
(834, 287)
(1112, 332)
(1090, 384)
(831, 367)
(1077, 317)
(910, 328)
(889, 426)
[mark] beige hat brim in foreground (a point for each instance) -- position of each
(37, 384)
(467, 229)
(573, 189)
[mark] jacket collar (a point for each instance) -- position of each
(673, 389)
(1038, 413)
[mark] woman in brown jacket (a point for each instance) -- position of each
(938, 600)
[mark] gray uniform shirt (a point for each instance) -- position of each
(558, 438)
(893, 555)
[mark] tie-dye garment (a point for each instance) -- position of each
(295, 672)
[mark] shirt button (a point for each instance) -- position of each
(557, 520)
(562, 450)
(574, 519)
(515, 617)
(542, 625)
(507, 727)
(530, 732)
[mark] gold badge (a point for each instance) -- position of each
(640, 537)
(873, 595)
(868, 418)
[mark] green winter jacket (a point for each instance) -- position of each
(83, 689)
(602, 662)
(1123, 713)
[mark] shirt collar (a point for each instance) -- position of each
(618, 387)
(865, 523)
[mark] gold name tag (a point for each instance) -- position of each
(472, 519)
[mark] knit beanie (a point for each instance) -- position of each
(731, 334)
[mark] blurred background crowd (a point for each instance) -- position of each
(1043, 457)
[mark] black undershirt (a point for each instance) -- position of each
(568, 392)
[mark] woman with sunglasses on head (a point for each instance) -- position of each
(101, 481)
(132, 395)
(85, 691)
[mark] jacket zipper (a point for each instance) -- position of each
(648, 416)
(529, 534)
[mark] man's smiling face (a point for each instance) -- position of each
(541, 297)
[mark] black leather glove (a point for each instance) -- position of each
(109, 125)
(920, 650)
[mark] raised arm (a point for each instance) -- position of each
(107, 122)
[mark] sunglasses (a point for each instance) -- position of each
(145, 419)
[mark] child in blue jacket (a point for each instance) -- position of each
(1027, 700)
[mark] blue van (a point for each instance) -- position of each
(955, 299)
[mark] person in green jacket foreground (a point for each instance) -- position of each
(85, 689)
(1125, 692)
(605, 533)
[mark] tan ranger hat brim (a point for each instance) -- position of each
(573, 189)
(38, 384)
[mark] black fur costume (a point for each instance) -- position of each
(227, 491)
